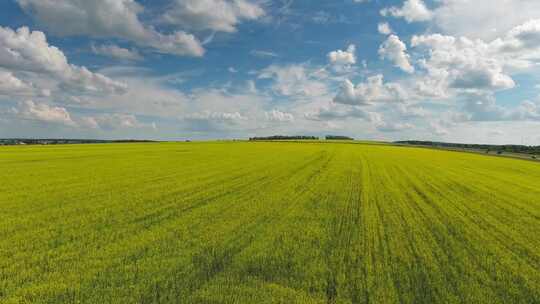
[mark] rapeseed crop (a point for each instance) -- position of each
(261, 222)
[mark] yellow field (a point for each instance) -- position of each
(243, 222)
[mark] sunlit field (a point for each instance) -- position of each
(261, 222)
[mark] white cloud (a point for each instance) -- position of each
(113, 121)
(321, 17)
(346, 57)
(374, 90)
(524, 37)
(43, 113)
(263, 54)
(27, 51)
(108, 19)
(452, 66)
(483, 107)
(146, 94)
(410, 111)
(485, 19)
(395, 50)
(335, 111)
(393, 126)
(89, 123)
(527, 110)
(13, 86)
(279, 116)
(462, 63)
(178, 43)
(116, 52)
(250, 87)
(437, 129)
(295, 80)
(221, 117)
(82, 81)
(411, 11)
(216, 15)
(384, 28)
(486, 109)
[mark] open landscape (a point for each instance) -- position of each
(270, 151)
(266, 222)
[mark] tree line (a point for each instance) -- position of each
(488, 148)
(282, 137)
(60, 141)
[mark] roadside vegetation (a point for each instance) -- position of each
(500, 149)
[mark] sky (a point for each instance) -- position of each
(444, 70)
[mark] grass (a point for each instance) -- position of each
(266, 223)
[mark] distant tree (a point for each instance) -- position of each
(281, 137)
(337, 137)
(491, 148)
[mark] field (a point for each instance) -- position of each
(243, 222)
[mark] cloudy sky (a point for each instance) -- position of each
(449, 70)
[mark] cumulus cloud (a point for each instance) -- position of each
(346, 57)
(27, 51)
(43, 113)
(384, 28)
(524, 37)
(81, 80)
(452, 66)
(527, 110)
(295, 80)
(116, 52)
(112, 121)
(340, 112)
(10, 85)
(216, 15)
(108, 19)
(405, 111)
(488, 19)
(224, 117)
(279, 116)
(395, 50)
(337, 112)
(462, 63)
(411, 11)
(483, 107)
(374, 90)
(393, 126)
(46, 113)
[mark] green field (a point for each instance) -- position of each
(243, 222)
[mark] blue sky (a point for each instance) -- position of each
(451, 70)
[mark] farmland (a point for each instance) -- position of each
(260, 222)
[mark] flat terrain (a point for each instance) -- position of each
(266, 223)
